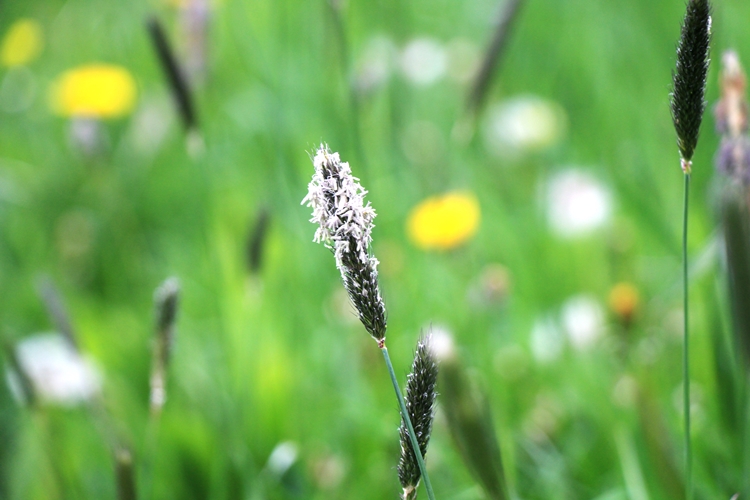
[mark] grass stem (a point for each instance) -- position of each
(685, 346)
(405, 416)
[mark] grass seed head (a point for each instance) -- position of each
(166, 301)
(689, 79)
(421, 393)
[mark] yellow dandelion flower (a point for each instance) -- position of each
(22, 43)
(444, 222)
(94, 91)
(623, 301)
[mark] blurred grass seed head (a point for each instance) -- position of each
(421, 394)
(733, 157)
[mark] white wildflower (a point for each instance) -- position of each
(577, 203)
(523, 124)
(546, 340)
(583, 319)
(57, 372)
(282, 458)
(423, 61)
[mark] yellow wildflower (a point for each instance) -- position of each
(22, 43)
(94, 91)
(623, 301)
(444, 222)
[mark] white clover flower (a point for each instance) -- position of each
(345, 226)
(282, 458)
(375, 64)
(546, 340)
(57, 372)
(522, 124)
(577, 203)
(424, 61)
(583, 319)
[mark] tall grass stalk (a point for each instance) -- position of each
(687, 105)
(685, 340)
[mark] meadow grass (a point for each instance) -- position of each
(275, 356)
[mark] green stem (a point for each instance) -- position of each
(685, 346)
(745, 447)
(405, 416)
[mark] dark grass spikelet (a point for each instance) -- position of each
(257, 240)
(689, 79)
(174, 74)
(166, 301)
(493, 54)
(166, 304)
(345, 226)
(125, 474)
(420, 398)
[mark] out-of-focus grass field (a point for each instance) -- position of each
(276, 356)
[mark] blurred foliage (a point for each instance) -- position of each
(275, 356)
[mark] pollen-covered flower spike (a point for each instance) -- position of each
(689, 80)
(420, 403)
(345, 226)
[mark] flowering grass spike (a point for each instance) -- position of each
(345, 226)
(420, 402)
(688, 95)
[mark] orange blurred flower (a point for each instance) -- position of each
(22, 43)
(444, 222)
(94, 91)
